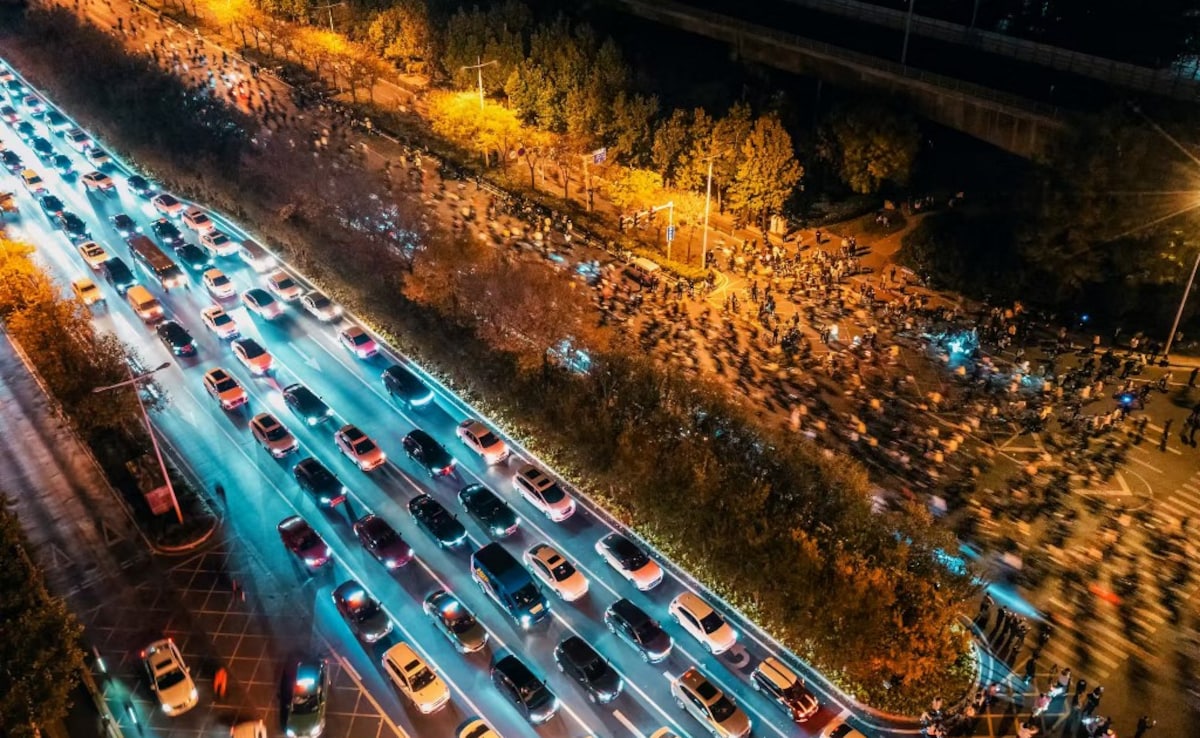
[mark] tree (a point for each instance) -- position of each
(402, 35)
(292, 10)
(672, 139)
(870, 143)
(632, 116)
(475, 36)
(635, 189)
(768, 172)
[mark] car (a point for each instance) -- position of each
(320, 307)
(198, 220)
(630, 561)
(169, 677)
(166, 205)
(34, 105)
(477, 728)
(218, 243)
(300, 538)
(699, 697)
(11, 161)
(97, 156)
(166, 232)
(219, 322)
(480, 439)
(176, 338)
(97, 181)
(492, 513)
(455, 621)
(404, 386)
(421, 448)
(42, 149)
(272, 435)
(283, 286)
(781, 685)
(306, 404)
(72, 225)
(26, 130)
(361, 612)
(51, 205)
(260, 302)
(358, 341)
(523, 689)
(63, 165)
(359, 448)
(218, 285)
(15, 88)
(839, 728)
(541, 491)
(87, 291)
(631, 624)
(253, 356)
(124, 225)
(57, 123)
(33, 182)
(699, 620)
(9, 114)
(556, 572)
(437, 521)
(316, 479)
(225, 389)
(140, 187)
(382, 541)
(93, 254)
(580, 662)
(77, 139)
(415, 679)
(193, 257)
(119, 275)
(305, 715)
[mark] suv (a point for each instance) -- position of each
(632, 625)
(784, 688)
(427, 452)
(700, 698)
(523, 689)
(578, 660)
(491, 512)
(405, 386)
(225, 389)
(540, 489)
(272, 436)
(315, 479)
(413, 677)
(305, 403)
(118, 275)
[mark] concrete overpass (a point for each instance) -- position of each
(1010, 122)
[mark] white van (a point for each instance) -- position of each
(643, 271)
(259, 259)
(144, 304)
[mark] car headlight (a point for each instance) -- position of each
(526, 620)
(313, 420)
(195, 694)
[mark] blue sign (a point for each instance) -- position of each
(670, 233)
(599, 155)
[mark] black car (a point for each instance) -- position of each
(427, 452)
(12, 162)
(25, 130)
(305, 403)
(42, 148)
(531, 696)
(166, 232)
(406, 387)
(437, 521)
(63, 165)
(124, 225)
(194, 257)
(318, 481)
(15, 88)
(362, 613)
(73, 226)
(455, 621)
(382, 541)
(176, 338)
(57, 122)
(639, 630)
(140, 187)
(118, 275)
(51, 205)
(488, 509)
(578, 660)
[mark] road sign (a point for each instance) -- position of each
(599, 155)
(670, 233)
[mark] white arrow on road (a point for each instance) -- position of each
(1121, 490)
(307, 359)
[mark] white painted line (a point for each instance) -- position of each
(348, 667)
(625, 721)
(1148, 466)
(371, 698)
(1189, 487)
(668, 675)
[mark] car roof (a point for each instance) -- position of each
(578, 650)
(629, 612)
(775, 672)
(694, 604)
(422, 437)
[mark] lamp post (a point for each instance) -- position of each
(1179, 313)
(330, 8)
(479, 68)
(670, 208)
(707, 205)
(146, 416)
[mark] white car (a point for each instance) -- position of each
(321, 307)
(97, 181)
(167, 205)
(272, 436)
(94, 254)
(169, 677)
(198, 220)
(225, 389)
(543, 492)
(359, 448)
(358, 341)
(284, 287)
(219, 285)
(255, 358)
(415, 679)
(480, 439)
(556, 572)
(218, 243)
(97, 156)
(703, 623)
(219, 322)
(78, 140)
(260, 302)
(630, 561)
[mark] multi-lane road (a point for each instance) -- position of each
(217, 448)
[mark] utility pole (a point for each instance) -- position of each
(670, 207)
(707, 204)
(1179, 313)
(330, 8)
(479, 68)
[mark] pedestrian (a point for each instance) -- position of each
(1093, 700)
(220, 682)
(1144, 723)
(1192, 376)
(1080, 688)
(1166, 433)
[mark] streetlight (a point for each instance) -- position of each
(670, 208)
(1179, 313)
(330, 8)
(707, 203)
(146, 416)
(479, 68)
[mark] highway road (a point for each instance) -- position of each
(260, 491)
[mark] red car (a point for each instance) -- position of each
(304, 542)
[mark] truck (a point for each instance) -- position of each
(155, 263)
(502, 578)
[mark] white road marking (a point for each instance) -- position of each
(625, 721)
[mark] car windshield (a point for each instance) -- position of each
(722, 709)
(226, 384)
(631, 556)
(360, 339)
(646, 630)
(253, 350)
(364, 445)
(526, 595)
(307, 697)
(594, 669)
(171, 678)
(477, 731)
(422, 679)
(221, 319)
(459, 620)
(276, 433)
(563, 571)
(219, 238)
(220, 281)
(309, 539)
(285, 284)
(383, 534)
(365, 609)
(319, 301)
(488, 439)
(167, 201)
(711, 622)
(553, 494)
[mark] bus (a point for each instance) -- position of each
(155, 263)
